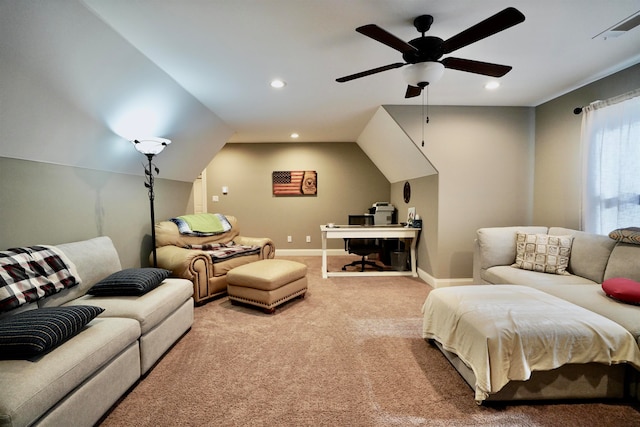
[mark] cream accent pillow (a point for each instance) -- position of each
(543, 253)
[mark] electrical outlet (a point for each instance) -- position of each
(289, 239)
(215, 198)
(308, 239)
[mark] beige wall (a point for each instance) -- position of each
(485, 172)
(52, 204)
(557, 150)
(348, 183)
(424, 197)
(484, 155)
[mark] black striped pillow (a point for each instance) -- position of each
(130, 281)
(33, 332)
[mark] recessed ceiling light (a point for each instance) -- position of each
(294, 135)
(492, 85)
(278, 84)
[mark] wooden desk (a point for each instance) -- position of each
(375, 232)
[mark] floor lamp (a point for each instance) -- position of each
(150, 147)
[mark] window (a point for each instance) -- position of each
(611, 164)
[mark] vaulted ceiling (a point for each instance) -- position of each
(225, 52)
(74, 74)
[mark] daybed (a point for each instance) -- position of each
(541, 306)
(77, 381)
(206, 259)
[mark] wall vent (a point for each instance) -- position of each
(621, 27)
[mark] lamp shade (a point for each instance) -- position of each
(150, 145)
(423, 73)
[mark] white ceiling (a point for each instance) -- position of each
(225, 52)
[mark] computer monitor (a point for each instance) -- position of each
(363, 219)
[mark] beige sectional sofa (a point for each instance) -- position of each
(77, 382)
(593, 259)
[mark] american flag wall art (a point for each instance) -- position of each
(295, 183)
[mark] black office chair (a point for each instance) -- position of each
(362, 247)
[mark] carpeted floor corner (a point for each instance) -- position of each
(348, 354)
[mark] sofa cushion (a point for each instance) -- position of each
(589, 253)
(94, 259)
(36, 331)
(626, 235)
(31, 387)
(623, 262)
(130, 281)
(505, 274)
(622, 289)
(497, 245)
(149, 309)
(543, 253)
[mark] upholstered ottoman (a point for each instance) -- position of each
(267, 283)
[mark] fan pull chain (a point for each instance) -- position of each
(425, 118)
(427, 89)
(422, 118)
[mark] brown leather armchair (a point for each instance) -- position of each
(209, 278)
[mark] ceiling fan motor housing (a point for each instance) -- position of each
(429, 49)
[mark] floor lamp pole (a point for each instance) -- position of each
(150, 147)
(153, 217)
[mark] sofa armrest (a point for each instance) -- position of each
(181, 261)
(497, 245)
(268, 248)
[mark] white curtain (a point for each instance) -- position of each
(611, 164)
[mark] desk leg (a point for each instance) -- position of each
(414, 270)
(324, 254)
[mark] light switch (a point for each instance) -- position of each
(225, 189)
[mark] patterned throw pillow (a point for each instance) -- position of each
(33, 332)
(130, 281)
(626, 235)
(543, 253)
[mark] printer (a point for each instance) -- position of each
(384, 213)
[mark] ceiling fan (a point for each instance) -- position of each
(423, 53)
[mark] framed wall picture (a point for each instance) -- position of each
(294, 183)
(411, 215)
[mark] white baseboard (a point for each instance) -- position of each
(443, 283)
(429, 279)
(309, 252)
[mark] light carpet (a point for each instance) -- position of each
(349, 354)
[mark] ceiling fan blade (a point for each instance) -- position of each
(412, 91)
(369, 72)
(494, 24)
(477, 67)
(385, 37)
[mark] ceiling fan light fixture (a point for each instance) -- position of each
(423, 73)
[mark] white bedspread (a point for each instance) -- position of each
(504, 332)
